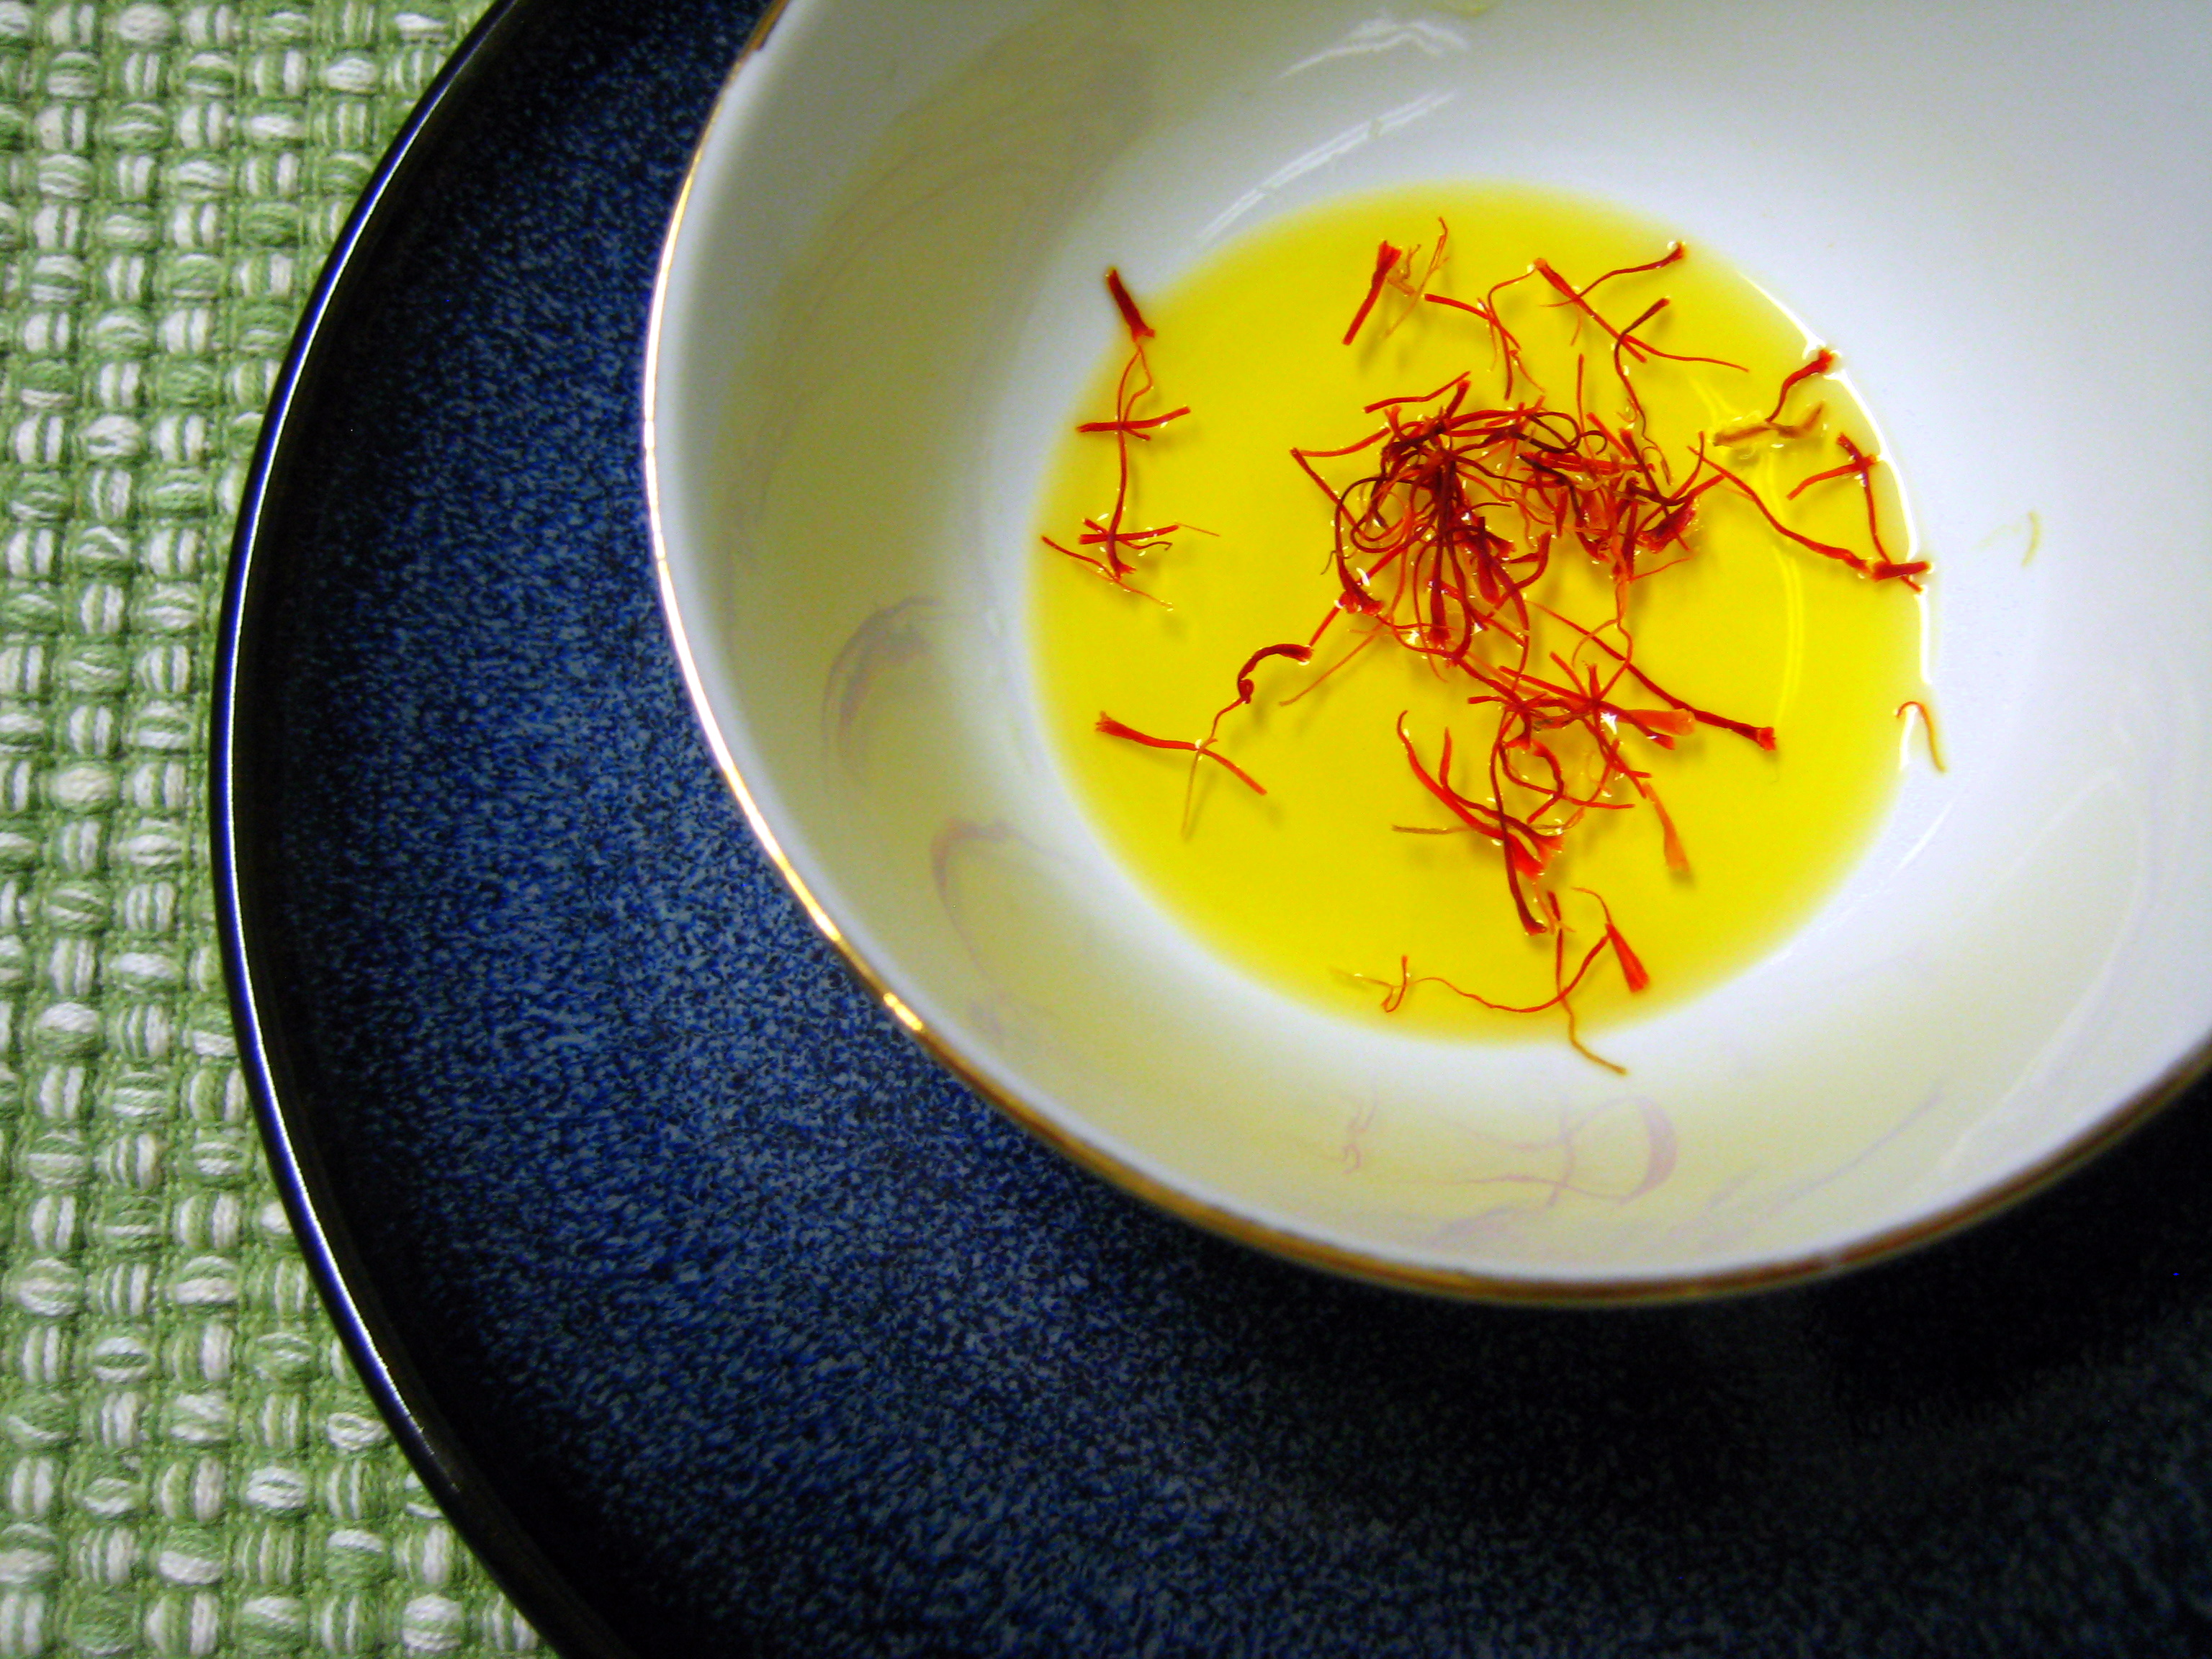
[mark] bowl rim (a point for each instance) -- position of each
(1222, 1220)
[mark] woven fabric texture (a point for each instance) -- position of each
(190, 1466)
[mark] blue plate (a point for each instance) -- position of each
(724, 1323)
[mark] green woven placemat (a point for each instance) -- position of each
(190, 1467)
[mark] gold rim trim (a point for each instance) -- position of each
(1227, 1224)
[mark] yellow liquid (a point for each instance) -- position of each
(1315, 888)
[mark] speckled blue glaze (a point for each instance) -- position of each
(734, 1326)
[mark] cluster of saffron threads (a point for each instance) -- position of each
(1111, 546)
(1118, 546)
(1439, 547)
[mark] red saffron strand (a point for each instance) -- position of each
(1298, 653)
(1647, 349)
(1386, 260)
(1564, 988)
(1106, 572)
(1135, 428)
(1401, 275)
(1246, 687)
(1113, 728)
(1827, 550)
(1761, 735)
(1631, 969)
(1927, 727)
(1139, 329)
(1676, 253)
(1500, 828)
(1820, 363)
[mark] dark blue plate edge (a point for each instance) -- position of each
(510, 1551)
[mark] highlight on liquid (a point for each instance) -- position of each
(1471, 598)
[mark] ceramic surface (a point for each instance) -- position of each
(2007, 255)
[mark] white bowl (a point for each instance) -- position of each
(880, 299)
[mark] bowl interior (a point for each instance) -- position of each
(881, 305)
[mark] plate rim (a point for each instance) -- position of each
(520, 1566)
